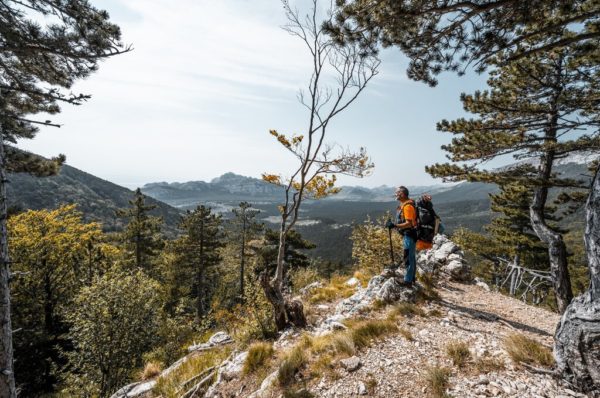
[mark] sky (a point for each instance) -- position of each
(205, 83)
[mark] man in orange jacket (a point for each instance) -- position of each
(406, 222)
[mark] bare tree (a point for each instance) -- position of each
(318, 163)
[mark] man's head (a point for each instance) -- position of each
(401, 193)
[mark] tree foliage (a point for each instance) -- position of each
(113, 323)
(199, 252)
(55, 253)
(141, 237)
(451, 35)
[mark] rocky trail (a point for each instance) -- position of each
(395, 367)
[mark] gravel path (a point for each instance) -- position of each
(395, 367)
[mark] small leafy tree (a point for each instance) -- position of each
(371, 245)
(50, 249)
(141, 237)
(113, 323)
(317, 162)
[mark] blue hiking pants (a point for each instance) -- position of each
(410, 258)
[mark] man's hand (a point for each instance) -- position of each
(389, 224)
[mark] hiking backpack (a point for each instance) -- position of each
(425, 220)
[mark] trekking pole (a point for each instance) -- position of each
(391, 247)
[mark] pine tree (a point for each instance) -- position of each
(531, 107)
(294, 251)
(199, 252)
(512, 229)
(245, 229)
(452, 35)
(46, 47)
(141, 237)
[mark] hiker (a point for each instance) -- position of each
(429, 223)
(406, 223)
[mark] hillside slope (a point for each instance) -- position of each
(96, 198)
(378, 338)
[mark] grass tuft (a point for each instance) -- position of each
(259, 355)
(151, 370)
(523, 349)
(459, 352)
(437, 378)
(292, 362)
(303, 393)
(336, 288)
(171, 386)
(487, 365)
(363, 333)
(406, 334)
(405, 309)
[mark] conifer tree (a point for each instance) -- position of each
(451, 35)
(199, 250)
(245, 228)
(532, 109)
(46, 47)
(512, 229)
(141, 237)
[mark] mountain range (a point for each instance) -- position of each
(328, 222)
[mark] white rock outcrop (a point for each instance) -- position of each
(446, 257)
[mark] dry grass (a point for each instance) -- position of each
(335, 343)
(405, 309)
(259, 356)
(435, 313)
(406, 334)
(292, 362)
(428, 292)
(302, 393)
(173, 385)
(151, 370)
(488, 364)
(458, 352)
(364, 332)
(437, 379)
(523, 349)
(335, 289)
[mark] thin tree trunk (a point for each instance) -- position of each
(7, 377)
(199, 306)
(557, 250)
(242, 259)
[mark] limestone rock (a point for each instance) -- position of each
(393, 290)
(351, 364)
(217, 339)
(233, 369)
(308, 288)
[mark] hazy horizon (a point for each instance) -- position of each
(205, 83)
